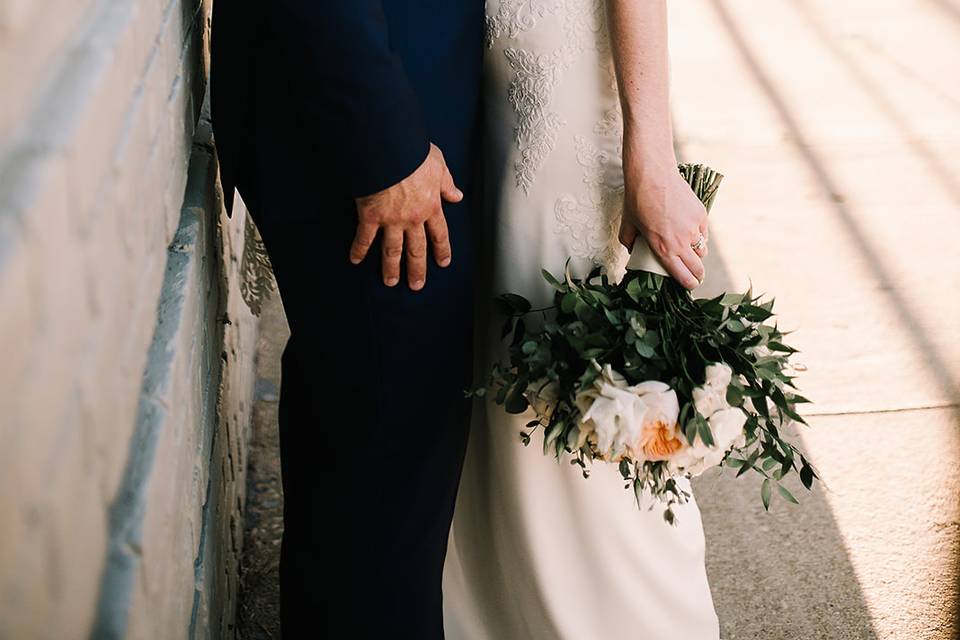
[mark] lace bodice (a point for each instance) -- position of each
(562, 92)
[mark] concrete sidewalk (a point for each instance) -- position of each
(838, 127)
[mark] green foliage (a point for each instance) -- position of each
(649, 327)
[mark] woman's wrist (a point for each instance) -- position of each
(647, 164)
(648, 144)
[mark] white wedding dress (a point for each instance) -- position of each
(536, 551)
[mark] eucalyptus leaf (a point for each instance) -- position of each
(806, 476)
(703, 428)
(515, 303)
(556, 284)
(516, 402)
(786, 494)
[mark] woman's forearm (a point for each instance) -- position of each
(657, 202)
(638, 33)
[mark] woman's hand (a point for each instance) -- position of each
(660, 205)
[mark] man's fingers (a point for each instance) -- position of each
(449, 190)
(628, 234)
(392, 251)
(362, 241)
(415, 244)
(439, 238)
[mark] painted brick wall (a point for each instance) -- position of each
(126, 352)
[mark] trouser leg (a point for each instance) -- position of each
(373, 431)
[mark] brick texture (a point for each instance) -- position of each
(127, 352)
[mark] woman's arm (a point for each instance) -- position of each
(658, 202)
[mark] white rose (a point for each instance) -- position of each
(712, 396)
(726, 426)
(708, 400)
(718, 375)
(725, 422)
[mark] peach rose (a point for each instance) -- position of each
(660, 435)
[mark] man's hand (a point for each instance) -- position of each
(665, 210)
(408, 212)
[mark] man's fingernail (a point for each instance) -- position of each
(417, 285)
(458, 193)
(390, 282)
(444, 261)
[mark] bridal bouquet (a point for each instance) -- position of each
(643, 375)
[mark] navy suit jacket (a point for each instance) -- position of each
(343, 94)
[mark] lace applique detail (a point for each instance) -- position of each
(584, 24)
(611, 125)
(531, 92)
(591, 220)
(513, 17)
(536, 76)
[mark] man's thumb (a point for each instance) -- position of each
(448, 190)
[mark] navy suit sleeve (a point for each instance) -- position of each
(364, 95)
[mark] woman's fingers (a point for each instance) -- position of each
(699, 246)
(679, 271)
(392, 249)
(694, 265)
(705, 232)
(628, 234)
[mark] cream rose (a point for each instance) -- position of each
(726, 423)
(712, 396)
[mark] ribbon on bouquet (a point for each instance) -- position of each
(643, 259)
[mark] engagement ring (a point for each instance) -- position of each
(699, 244)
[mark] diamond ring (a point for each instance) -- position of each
(699, 244)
